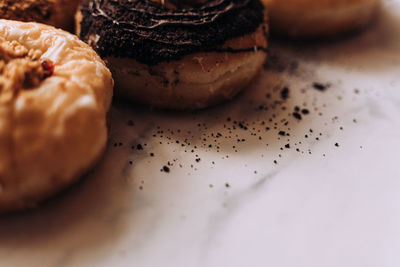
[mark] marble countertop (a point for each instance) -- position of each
(303, 176)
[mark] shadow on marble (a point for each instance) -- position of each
(81, 220)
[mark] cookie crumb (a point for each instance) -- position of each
(165, 169)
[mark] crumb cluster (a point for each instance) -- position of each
(272, 124)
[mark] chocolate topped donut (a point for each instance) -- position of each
(177, 54)
(152, 33)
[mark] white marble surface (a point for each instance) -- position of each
(338, 206)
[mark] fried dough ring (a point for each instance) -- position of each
(54, 95)
(171, 57)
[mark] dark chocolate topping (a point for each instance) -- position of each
(151, 33)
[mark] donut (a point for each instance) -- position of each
(319, 18)
(58, 13)
(55, 92)
(171, 56)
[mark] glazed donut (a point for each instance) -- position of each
(58, 13)
(319, 18)
(54, 95)
(174, 57)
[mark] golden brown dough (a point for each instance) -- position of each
(319, 18)
(54, 95)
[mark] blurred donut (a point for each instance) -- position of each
(319, 18)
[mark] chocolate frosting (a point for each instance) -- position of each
(152, 33)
